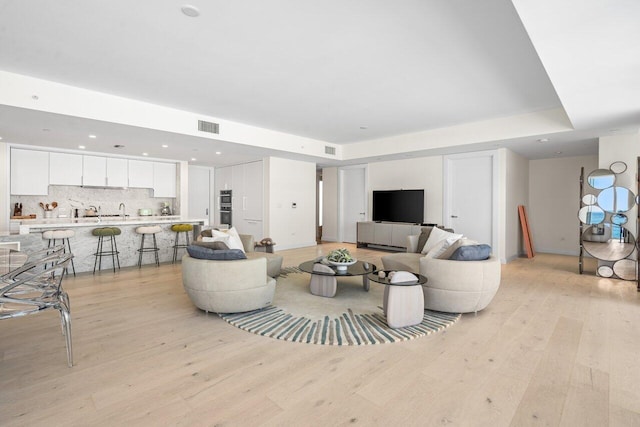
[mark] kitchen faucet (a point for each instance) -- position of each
(124, 215)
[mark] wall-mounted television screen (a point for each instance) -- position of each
(399, 206)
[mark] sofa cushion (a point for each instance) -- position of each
(463, 241)
(442, 246)
(436, 236)
(471, 253)
(233, 241)
(200, 252)
(212, 243)
(424, 235)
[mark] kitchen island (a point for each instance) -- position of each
(28, 232)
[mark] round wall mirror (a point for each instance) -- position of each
(608, 242)
(619, 219)
(625, 269)
(616, 199)
(591, 215)
(605, 271)
(589, 199)
(601, 179)
(618, 167)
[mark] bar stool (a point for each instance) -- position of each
(180, 228)
(144, 230)
(63, 236)
(103, 232)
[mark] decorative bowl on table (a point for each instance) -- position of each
(342, 266)
(340, 259)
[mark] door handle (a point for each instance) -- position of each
(361, 213)
(206, 211)
(454, 216)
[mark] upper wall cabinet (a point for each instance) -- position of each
(140, 174)
(117, 172)
(94, 171)
(29, 172)
(164, 179)
(65, 169)
(100, 171)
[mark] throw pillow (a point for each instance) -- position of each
(472, 253)
(424, 235)
(442, 246)
(213, 242)
(463, 241)
(200, 252)
(206, 233)
(437, 235)
(234, 241)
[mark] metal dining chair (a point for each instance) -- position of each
(35, 287)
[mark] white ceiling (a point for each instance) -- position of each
(326, 69)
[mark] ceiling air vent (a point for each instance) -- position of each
(208, 127)
(330, 150)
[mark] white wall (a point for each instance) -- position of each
(291, 181)
(516, 193)
(410, 174)
(330, 204)
(554, 192)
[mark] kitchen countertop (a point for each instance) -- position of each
(39, 224)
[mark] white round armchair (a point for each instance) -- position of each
(459, 286)
(227, 286)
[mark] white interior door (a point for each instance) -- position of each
(199, 192)
(470, 196)
(353, 201)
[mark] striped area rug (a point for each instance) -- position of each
(346, 329)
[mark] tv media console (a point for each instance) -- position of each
(391, 235)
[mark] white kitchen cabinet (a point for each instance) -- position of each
(117, 172)
(94, 171)
(237, 200)
(140, 174)
(253, 191)
(164, 179)
(65, 169)
(223, 178)
(29, 172)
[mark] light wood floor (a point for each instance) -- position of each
(553, 348)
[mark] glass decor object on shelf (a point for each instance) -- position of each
(591, 215)
(589, 199)
(616, 199)
(619, 219)
(618, 167)
(601, 179)
(608, 242)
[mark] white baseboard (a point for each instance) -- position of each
(329, 239)
(295, 246)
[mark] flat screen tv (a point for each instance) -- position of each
(399, 206)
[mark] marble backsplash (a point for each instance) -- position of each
(108, 199)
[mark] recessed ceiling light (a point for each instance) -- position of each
(46, 130)
(543, 140)
(217, 152)
(364, 127)
(558, 152)
(92, 136)
(190, 11)
(145, 154)
(193, 159)
(118, 146)
(35, 97)
(165, 146)
(82, 147)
